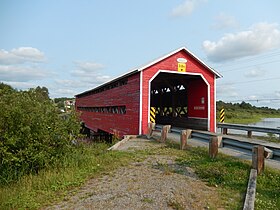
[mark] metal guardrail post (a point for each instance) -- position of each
(249, 134)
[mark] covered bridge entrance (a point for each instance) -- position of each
(172, 100)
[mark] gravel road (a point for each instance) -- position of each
(155, 183)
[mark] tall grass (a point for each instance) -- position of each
(53, 184)
(230, 176)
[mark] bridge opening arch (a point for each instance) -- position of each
(179, 99)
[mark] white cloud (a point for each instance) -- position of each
(21, 55)
(186, 8)
(66, 92)
(254, 73)
(259, 38)
(21, 73)
(86, 75)
(89, 66)
(68, 83)
(226, 90)
(224, 21)
(253, 97)
(90, 72)
(277, 93)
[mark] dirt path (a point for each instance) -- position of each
(156, 183)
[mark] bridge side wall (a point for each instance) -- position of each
(126, 95)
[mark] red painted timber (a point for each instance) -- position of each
(126, 95)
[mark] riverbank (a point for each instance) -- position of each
(245, 113)
(244, 117)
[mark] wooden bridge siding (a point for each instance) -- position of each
(170, 63)
(126, 95)
(183, 122)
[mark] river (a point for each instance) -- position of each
(268, 122)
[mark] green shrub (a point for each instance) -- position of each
(32, 134)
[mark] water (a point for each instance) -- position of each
(266, 122)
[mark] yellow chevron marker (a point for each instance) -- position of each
(153, 115)
(222, 115)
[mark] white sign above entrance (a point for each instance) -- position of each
(182, 60)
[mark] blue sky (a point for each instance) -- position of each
(72, 46)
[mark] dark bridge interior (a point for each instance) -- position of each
(169, 97)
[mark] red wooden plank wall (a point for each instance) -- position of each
(126, 95)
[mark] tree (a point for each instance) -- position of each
(32, 133)
(42, 93)
(245, 105)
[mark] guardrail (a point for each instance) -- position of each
(228, 141)
(248, 128)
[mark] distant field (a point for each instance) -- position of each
(245, 113)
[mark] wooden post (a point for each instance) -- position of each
(185, 135)
(258, 158)
(164, 131)
(251, 191)
(249, 134)
(213, 147)
(151, 127)
(220, 140)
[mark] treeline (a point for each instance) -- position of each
(33, 135)
(244, 105)
(245, 112)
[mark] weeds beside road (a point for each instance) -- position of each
(226, 176)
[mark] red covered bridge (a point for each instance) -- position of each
(177, 89)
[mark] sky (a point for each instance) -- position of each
(70, 46)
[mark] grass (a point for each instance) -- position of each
(147, 200)
(230, 176)
(175, 204)
(227, 174)
(54, 184)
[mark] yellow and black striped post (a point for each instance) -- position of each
(222, 115)
(153, 115)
